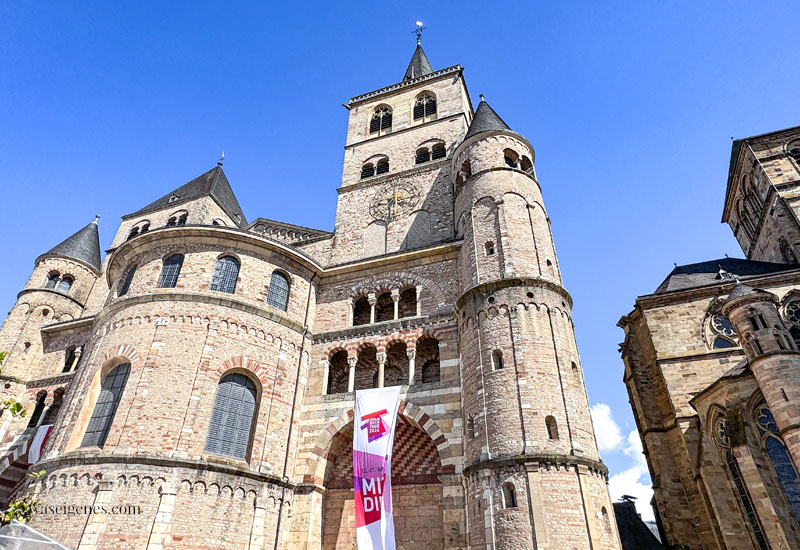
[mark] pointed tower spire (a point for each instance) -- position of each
(419, 65)
(485, 120)
(83, 246)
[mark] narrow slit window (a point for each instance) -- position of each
(126, 282)
(497, 359)
(106, 407)
(552, 427)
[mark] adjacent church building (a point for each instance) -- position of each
(203, 370)
(712, 367)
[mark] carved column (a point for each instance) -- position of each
(351, 375)
(76, 358)
(381, 357)
(396, 300)
(372, 301)
(48, 402)
(159, 533)
(351, 317)
(412, 359)
(419, 300)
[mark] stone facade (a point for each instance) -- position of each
(711, 367)
(440, 276)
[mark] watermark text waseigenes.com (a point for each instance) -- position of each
(78, 509)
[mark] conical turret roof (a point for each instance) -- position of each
(213, 183)
(83, 246)
(419, 66)
(485, 120)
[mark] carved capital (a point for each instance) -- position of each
(381, 357)
(371, 298)
(412, 353)
(352, 362)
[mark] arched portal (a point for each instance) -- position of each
(417, 494)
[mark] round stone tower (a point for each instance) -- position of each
(772, 356)
(528, 438)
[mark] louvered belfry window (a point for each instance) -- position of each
(367, 170)
(383, 166)
(226, 271)
(170, 271)
(439, 152)
(232, 418)
(423, 155)
(278, 295)
(381, 120)
(106, 406)
(425, 106)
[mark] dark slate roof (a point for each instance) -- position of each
(739, 290)
(83, 246)
(213, 183)
(708, 273)
(633, 532)
(419, 65)
(485, 120)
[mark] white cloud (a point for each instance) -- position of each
(606, 429)
(629, 482)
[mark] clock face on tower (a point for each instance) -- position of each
(393, 200)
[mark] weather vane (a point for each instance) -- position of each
(221, 158)
(418, 32)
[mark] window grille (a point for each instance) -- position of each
(106, 406)
(367, 170)
(170, 271)
(278, 295)
(232, 417)
(423, 155)
(226, 270)
(126, 282)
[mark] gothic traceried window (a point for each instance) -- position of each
(170, 271)
(785, 469)
(232, 417)
(724, 336)
(425, 107)
(106, 406)
(226, 271)
(381, 121)
(278, 294)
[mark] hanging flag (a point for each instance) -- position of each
(373, 434)
(39, 439)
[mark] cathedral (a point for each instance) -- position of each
(199, 377)
(712, 367)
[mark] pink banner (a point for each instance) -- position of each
(373, 436)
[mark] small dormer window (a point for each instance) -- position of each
(237, 218)
(173, 198)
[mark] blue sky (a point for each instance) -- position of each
(631, 107)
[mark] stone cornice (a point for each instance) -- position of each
(540, 458)
(384, 327)
(499, 284)
(455, 69)
(72, 324)
(49, 291)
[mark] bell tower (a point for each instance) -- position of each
(533, 473)
(396, 193)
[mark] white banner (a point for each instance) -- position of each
(373, 434)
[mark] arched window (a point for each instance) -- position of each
(466, 169)
(526, 164)
(425, 107)
(182, 219)
(361, 311)
(431, 371)
(509, 495)
(489, 248)
(145, 228)
(338, 373)
(170, 271)
(381, 121)
(69, 359)
(606, 519)
(497, 359)
(52, 280)
(384, 308)
(232, 418)
(795, 332)
(106, 406)
(278, 294)
(428, 357)
(172, 221)
(471, 427)
(226, 270)
(794, 152)
(126, 282)
(408, 303)
(133, 233)
(552, 427)
(511, 158)
(368, 170)
(785, 469)
(382, 166)
(37, 410)
(438, 151)
(64, 284)
(423, 155)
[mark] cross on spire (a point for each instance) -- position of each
(418, 31)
